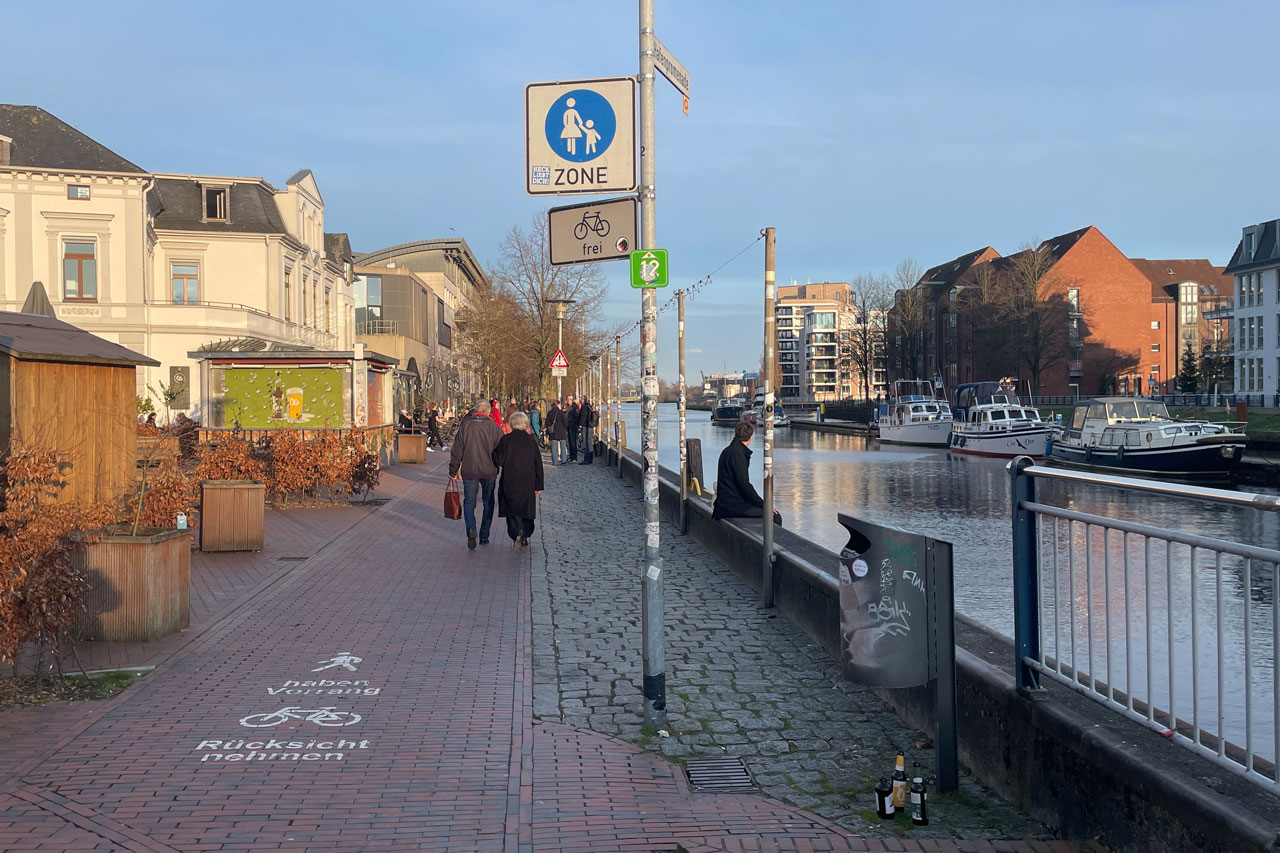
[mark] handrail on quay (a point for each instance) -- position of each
(1101, 611)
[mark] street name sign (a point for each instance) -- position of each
(558, 360)
(580, 136)
(677, 75)
(593, 231)
(649, 268)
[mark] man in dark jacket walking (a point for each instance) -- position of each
(558, 431)
(586, 424)
(472, 459)
(571, 413)
(735, 496)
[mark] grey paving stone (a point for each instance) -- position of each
(741, 681)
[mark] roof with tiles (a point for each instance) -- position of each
(1165, 275)
(251, 210)
(41, 140)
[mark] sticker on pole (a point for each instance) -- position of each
(649, 268)
(558, 360)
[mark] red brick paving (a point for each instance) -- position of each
(445, 756)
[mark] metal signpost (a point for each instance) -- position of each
(897, 625)
(580, 136)
(593, 231)
(766, 576)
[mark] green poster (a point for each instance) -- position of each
(264, 397)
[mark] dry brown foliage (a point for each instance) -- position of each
(167, 493)
(230, 460)
(41, 592)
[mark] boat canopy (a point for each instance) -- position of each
(1118, 409)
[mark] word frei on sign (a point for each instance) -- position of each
(230, 750)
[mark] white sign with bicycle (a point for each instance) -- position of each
(299, 716)
(596, 231)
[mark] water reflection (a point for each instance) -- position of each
(966, 501)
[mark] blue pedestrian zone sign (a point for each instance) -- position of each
(580, 126)
(580, 136)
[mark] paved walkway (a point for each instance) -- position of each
(742, 681)
(376, 695)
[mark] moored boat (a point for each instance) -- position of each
(916, 415)
(727, 412)
(756, 413)
(1138, 436)
(990, 420)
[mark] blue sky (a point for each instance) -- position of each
(864, 132)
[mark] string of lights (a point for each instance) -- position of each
(695, 288)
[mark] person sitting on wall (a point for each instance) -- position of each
(735, 496)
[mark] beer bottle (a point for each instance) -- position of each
(919, 803)
(884, 799)
(900, 782)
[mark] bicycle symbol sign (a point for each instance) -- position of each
(320, 716)
(593, 231)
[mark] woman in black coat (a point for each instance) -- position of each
(520, 459)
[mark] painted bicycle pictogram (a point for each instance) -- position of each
(319, 716)
(591, 221)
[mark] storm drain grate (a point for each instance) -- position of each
(718, 774)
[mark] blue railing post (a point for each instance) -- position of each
(1026, 578)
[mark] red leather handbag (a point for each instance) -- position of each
(452, 501)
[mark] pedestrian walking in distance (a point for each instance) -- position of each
(735, 496)
(520, 459)
(535, 422)
(472, 459)
(586, 425)
(558, 432)
(433, 426)
(571, 421)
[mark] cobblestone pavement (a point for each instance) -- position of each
(741, 681)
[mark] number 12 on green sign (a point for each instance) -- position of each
(649, 268)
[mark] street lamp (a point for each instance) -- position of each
(560, 309)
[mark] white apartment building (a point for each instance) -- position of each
(814, 322)
(1255, 267)
(166, 264)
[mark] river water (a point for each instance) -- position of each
(966, 501)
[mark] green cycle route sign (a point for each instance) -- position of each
(649, 268)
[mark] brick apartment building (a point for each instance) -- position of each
(1123, 320)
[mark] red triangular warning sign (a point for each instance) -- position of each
(559, 360)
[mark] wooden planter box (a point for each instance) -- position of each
(231, 514)
(139, 586)
(413, 447)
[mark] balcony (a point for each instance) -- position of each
(1222, 311)
(1075, 368)
(378, 327)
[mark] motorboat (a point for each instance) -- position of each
(990, 420)
(1138, 436)
(728, 411)
(916, 414)
(756, 413)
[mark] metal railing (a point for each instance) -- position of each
(1227, 398)
(378, 327)
(1175, 630)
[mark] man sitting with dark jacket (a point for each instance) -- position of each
(735, 496)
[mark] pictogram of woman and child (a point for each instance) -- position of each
(575, 127)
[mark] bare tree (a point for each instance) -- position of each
(1035, 309)
(513, 333)
(871, 297)
(907, 319)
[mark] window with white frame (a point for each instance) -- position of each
(79, 270)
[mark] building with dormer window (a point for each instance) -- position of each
(166, 264)
(1255, 271)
